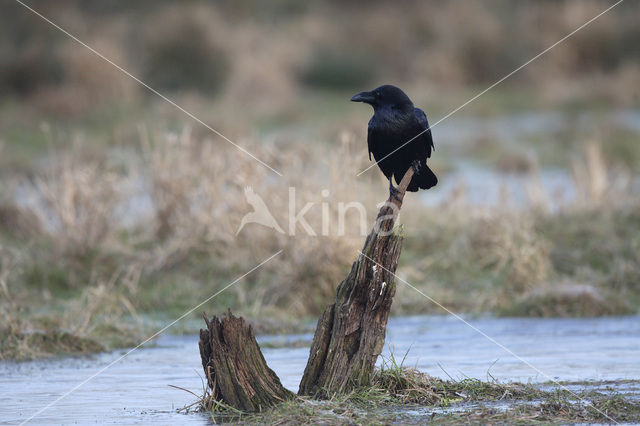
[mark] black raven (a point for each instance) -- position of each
(395, 122)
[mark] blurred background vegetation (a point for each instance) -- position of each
(117, 211)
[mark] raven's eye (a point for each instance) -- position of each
(377, 94)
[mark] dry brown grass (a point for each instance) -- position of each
(503, 258)
(153, 229)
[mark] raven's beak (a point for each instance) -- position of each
(366, 97)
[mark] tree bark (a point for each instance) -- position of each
(236, 371)
(350, 333)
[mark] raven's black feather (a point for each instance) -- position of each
(398, 135)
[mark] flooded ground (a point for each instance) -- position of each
(136, 389)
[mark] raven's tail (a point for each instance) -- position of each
(425, 180)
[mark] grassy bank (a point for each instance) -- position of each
(403, 395)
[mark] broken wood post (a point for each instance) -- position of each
(350, 333)
(236, 371)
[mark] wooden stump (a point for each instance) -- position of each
(236, 371)
(350, 333)
(348, 339)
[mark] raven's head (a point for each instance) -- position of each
(384, 96)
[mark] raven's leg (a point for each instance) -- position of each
(393, 191)
(416, 166)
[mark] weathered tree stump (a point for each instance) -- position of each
(348, 339)
(350, 333)
(236, 371)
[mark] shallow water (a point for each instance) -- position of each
(136, 389)
(482, 186)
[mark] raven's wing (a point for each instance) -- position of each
(426, 136)
(370, 136)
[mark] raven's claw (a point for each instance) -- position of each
(393, 191)
(416, 166)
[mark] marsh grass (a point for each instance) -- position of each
(405, 395)
(95, 246)
(532, 406)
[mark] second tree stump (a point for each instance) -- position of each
(236, 371)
